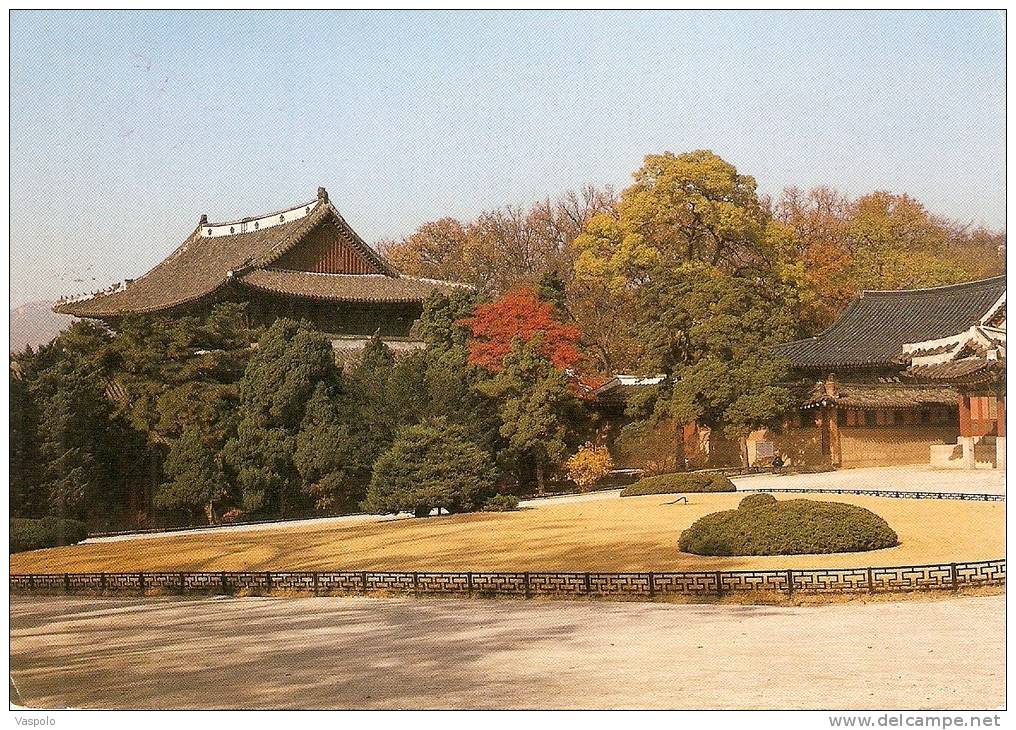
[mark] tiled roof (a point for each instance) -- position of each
(216, 253)
(971, 370)
(620, 388)
(882, 395)
(195, 269)
(347, 350)
(345, 287)
(937, 350)
(874, 328)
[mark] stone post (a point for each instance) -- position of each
(1000, 438)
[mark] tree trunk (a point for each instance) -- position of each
(153, 485)
(539, 478)
(680, 455)
(210, 512)
(744, 451)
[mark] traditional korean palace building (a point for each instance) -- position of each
(902, 377)
(303, 262)
(905, 377)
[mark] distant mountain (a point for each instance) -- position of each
(36, 324)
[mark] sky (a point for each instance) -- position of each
(126, 126)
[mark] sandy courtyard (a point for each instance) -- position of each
(401, 653)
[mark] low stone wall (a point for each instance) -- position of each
(797, 446)
(891, 445)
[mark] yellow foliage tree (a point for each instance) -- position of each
(589, 465)
(688, 207)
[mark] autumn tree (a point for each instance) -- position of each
(502, 248)
(834, 247)
(692, 207)
(520, 315)
(512, 246)
(449, 384)
(563, 219)
(811, 238)
(435, 250)
(687, 208)
(897, 244)
(603, 318)
(589, 465)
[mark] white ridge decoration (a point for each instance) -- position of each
(250, 225)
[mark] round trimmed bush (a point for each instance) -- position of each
(762, 499)
(794, 527)
(680, 483)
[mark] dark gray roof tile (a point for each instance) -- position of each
(876, 325)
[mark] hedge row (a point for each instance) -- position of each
(27, 534)
(502, 503)
(761, 525)
(680, 482)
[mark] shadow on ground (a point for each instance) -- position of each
(450, 653)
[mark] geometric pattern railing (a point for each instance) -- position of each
(896, 494)
(947, 576)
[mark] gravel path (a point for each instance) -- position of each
(910, 478)
(449, 653)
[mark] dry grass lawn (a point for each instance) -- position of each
(611, 534)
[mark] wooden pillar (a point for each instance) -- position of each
(835, 453)
(823, 430)
(966, 438)
(964, 405)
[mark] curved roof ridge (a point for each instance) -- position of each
(250, 218)
(320, 273)
(933, 289)
(431, 280)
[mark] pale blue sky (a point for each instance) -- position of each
(126, 126)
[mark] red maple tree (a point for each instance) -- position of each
(519, 313)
